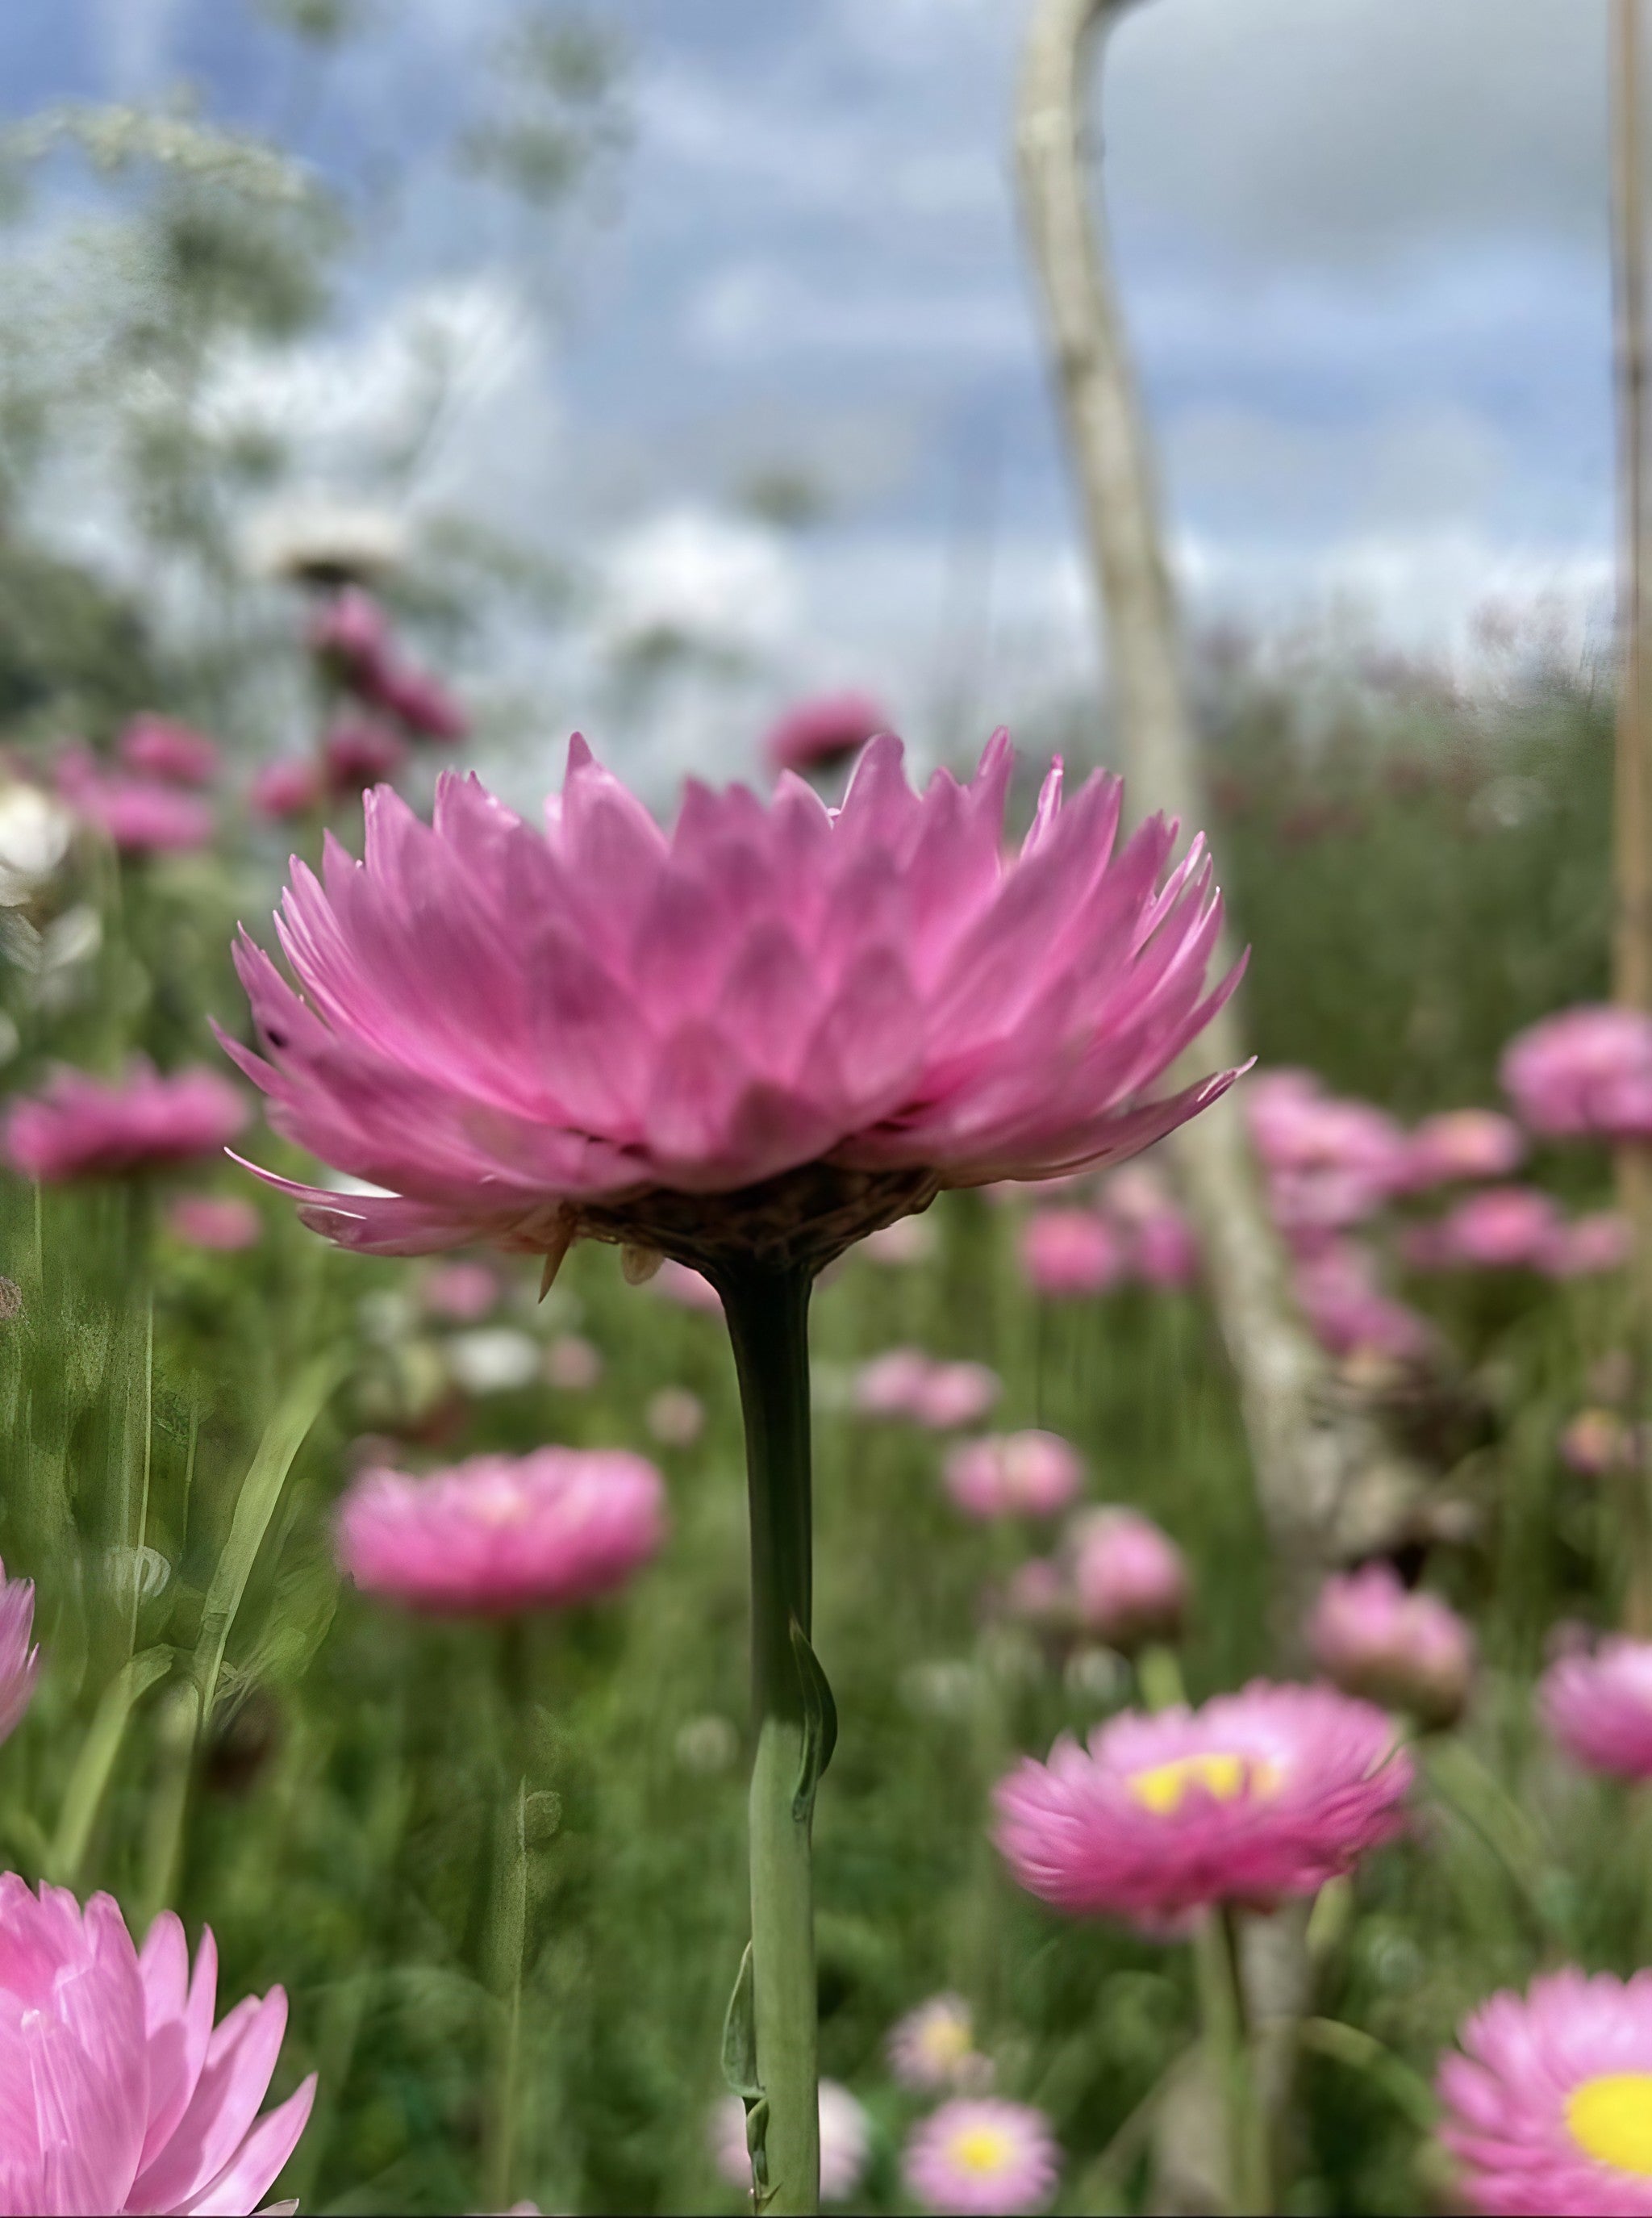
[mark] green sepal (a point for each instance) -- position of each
(819, 1724)
(740, 2036)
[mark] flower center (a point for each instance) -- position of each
(1611, 2120)
(983, 2150)
(1223, 1773)
(945, 2040)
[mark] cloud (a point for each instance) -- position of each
(760, 309)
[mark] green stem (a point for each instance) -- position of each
(1228, 2039)
(767, 1309)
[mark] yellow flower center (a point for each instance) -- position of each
(983, 2150)
(1221, 1772)
(1610, 2119)
(945, 2039)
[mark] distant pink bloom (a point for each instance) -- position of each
(420, 702)
(687, 1288)
(463, 1292)
(1040, 1594)
(225, 1222)
(908, 1240)
(140, 815)
(1129, 1579)
(285, 789)
(1501, 1228)
(1348, 1312)
(892, 1384)
(528, 1039)
(1549, 2107)
(933, 2049)
(350, 636)
(1460, 1144)
(120, 2094)
(359, 751)
(1598, 1707)
(1584, 1074)
(1030, 1474)
(674, 1417)
(978, 2155)
(78, 1127)
(1070, 1251)
(1408, 1651)
(1597, 1241)
(846, 2143)
(819, 734)
(501, 1533)
(1297, 1126)
(1257, 1795)
(573, 1364)
(952, 1395)
(1165, 1250)
(1596, 1441)
(20, 1663)
(160, 746)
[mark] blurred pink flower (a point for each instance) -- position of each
(531, 1039)
(1598, 1707)
(908, 1240)
(160, 746)
(463, 1292)
(1601, 1241)
(1267, 1793)
(1350, 1314)
(952, 1395)
(1406, 1650)
(1029, 1474)
(78, 1127)
(846, 2143)
(420, 702)
(573, 1364)
(350, 635)
(1129, 1579)
(821, 733)
(674, 1417)
(225, 1222)
(20, 1663)
(140, 815)
(1549, 2107)
(892, 1384)
(501, 1533)
(285, 789)
(358, 751)
(1040, 1592)
(978, 2155)
(687, 1288)
(1160, 1245)
(933, 2049)
(120, 2094)
(1460, 1144)
(1596, 1441)
(1330, 1164)
(1586, 1073)
(1501, 1228)
(1070, 1251)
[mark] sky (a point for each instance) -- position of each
(1362, 251)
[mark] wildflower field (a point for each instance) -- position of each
(889, 1477)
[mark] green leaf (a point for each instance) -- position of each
(90, 1779)
(740, 2036)
(819, 1723)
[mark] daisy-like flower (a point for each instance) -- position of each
(1129, 1579)
(1255, 1796)
(822, 734)
(1408, 1651)
(1586, 1073)
(764, 1033)
(846, 2141)
(77, 1128)
(498, 1534)
(1597, 1704)
(1028, 1474)
(933, 2048)
(978, 2156)
(1549, 2106)
(117, 2093)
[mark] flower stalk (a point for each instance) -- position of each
(1228, 2044)
(767, 1308)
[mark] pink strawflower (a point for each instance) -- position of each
(822, 734)
(1330, 1162)
(420, 702)
(226, 1223)
(1267, 1793)
(1502, 1228)
(359, 751)
(350, 635)
(1596, 1441)
(1029, 1474)
(1462, 1144)
(20, 1663)
(80, 1128)
(285, 789)
(120, 2094)
(933, 2049)
(953, 1395)
(501, 1533)
(160, 747)
(1129, 1579)
(1160, 1245)
(892, 1384)
(1070, 1251)
(1408, 1651)
(846, 2143)
(1598, 1707)
(1597, 1241)
(1549, 2108)
(1584, 1074)
(463, 1292)
(978, 2155)
(140, 815)
(1351, 1315)
(528, 1039)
